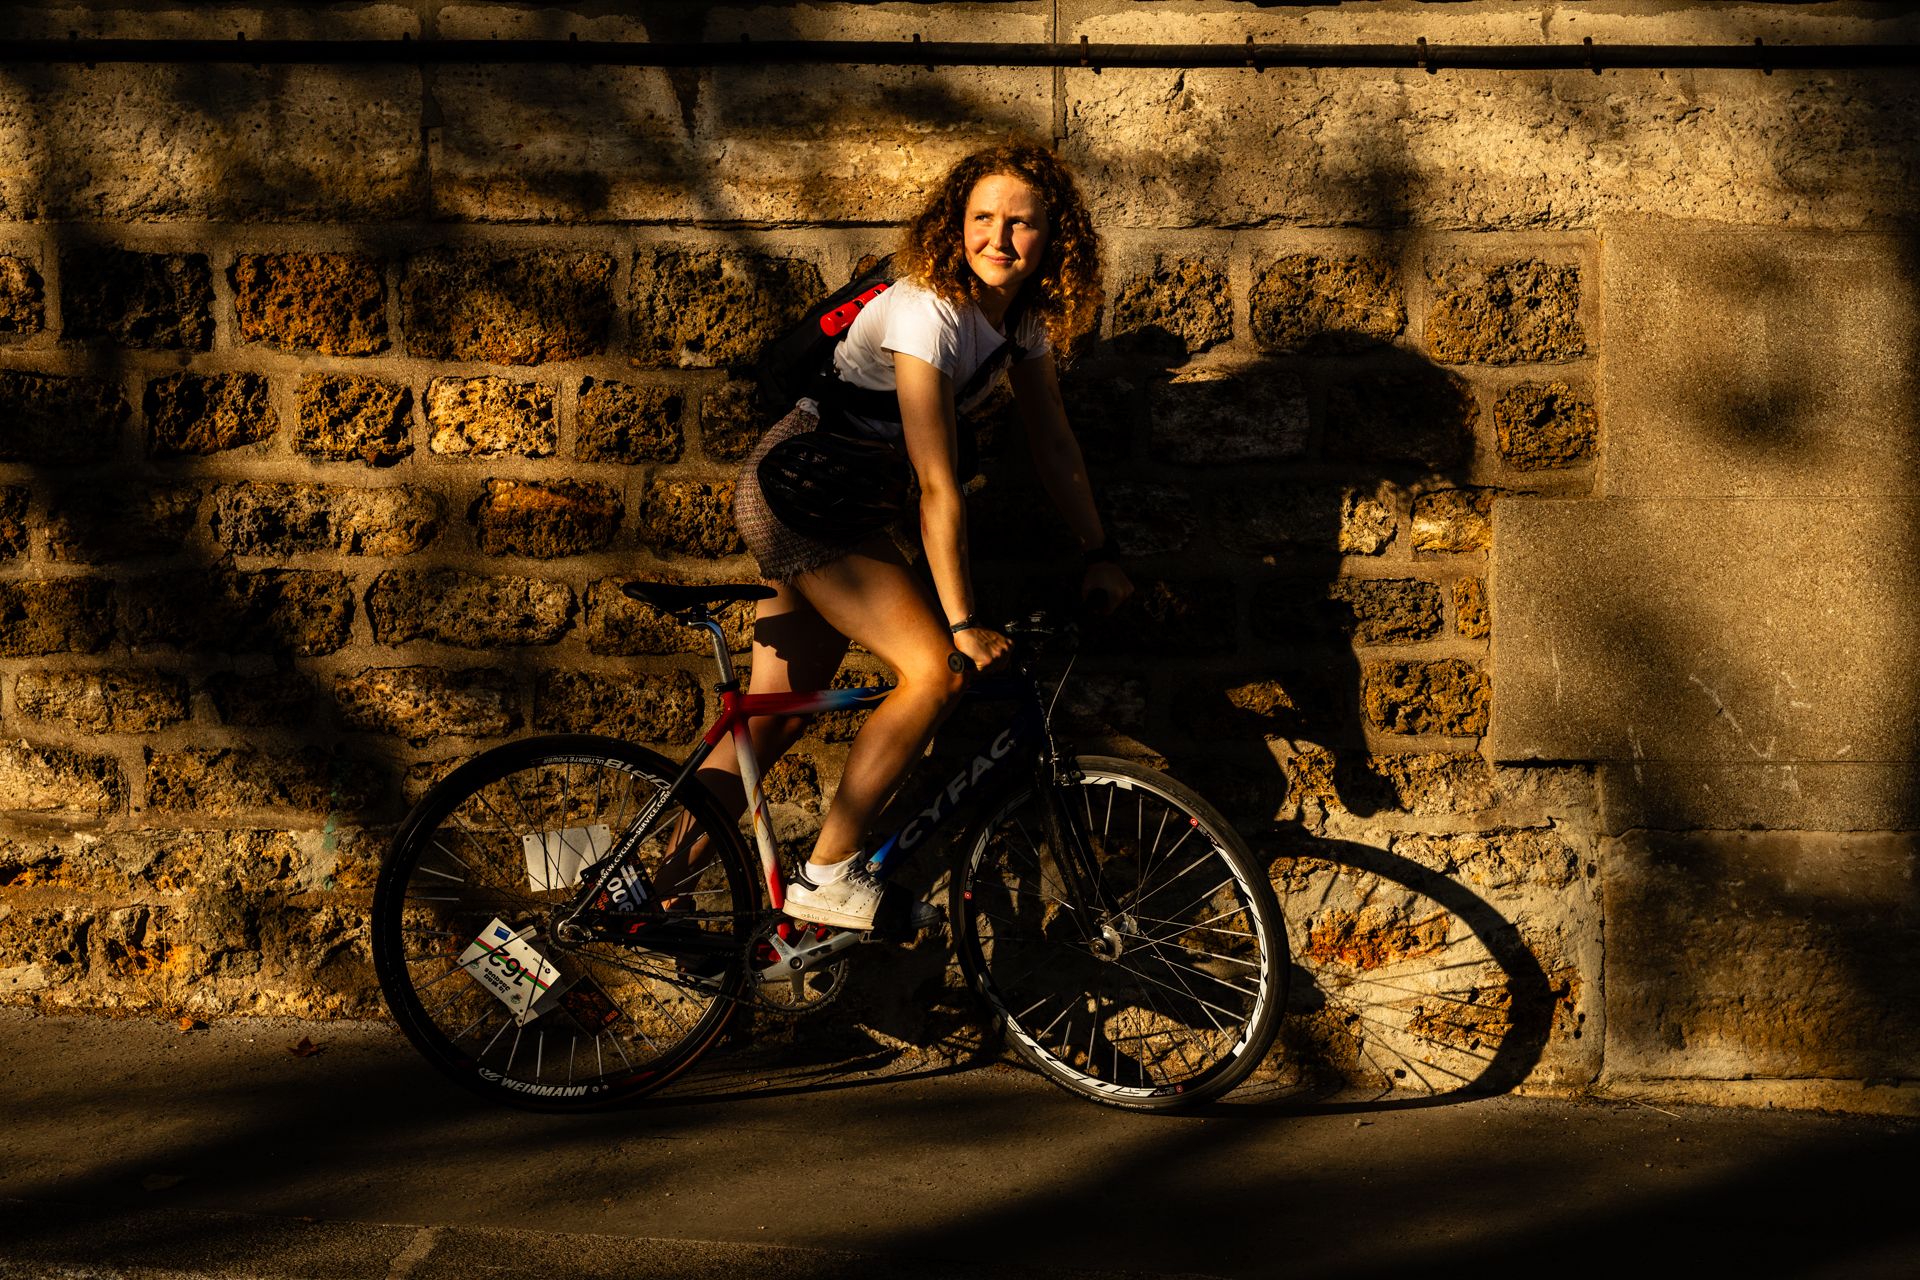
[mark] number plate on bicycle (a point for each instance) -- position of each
(554, 858)
(506, 964)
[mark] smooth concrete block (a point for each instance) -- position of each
(1778, 364)
(1776, 954)
(1727, 633)
(1812, 795)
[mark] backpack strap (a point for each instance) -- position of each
(834, 392)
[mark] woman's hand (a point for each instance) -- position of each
(985, 647)
(1108, 580)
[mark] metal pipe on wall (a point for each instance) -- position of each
(1421, 55)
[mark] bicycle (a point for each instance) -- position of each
(569, 921)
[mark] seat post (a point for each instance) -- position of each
(721, 657)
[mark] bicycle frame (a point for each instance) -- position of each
(1026, 737)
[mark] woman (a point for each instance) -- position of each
(1005, 239)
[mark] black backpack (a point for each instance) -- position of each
(799, 363)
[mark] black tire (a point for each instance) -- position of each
(501, 841)
(1189, 1000)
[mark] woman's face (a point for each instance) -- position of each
(1005, 231)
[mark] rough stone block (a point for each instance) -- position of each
(54, 782)
(794, 780)
(1372, 937)
(546, 520)
(663, 707)
(219, 783)
(174, 862)
(292, 519)
(1105, 702)
(307, 612)
(14, 534)
(468, 610)
(507, 309)
(1448, 696)
(344, 416)
(1505, 313)
(1182, 305)
(1471, 614)
(127, 700)
(1239, 413)
(1241, 706)
(706, 308)
(55, 615)
(1453, 520)
(422, 703)
(1499, 859)
(625, 422)
(59, 421)
(332, 303)
(1409, 415)
(1186, 617)
(730, 421)
(195, 413)
(1542, 425)
(260, 701)
(1107, 403)
(1424, 784)
(45, 947)
(622, 626)
(1771, 955)
(1386, 610)
(489, 417)
(123, 518)
(1309, 520)
(153, 300)
(1141, 519)
(23, 298)
(694, 517)
(1307, 303)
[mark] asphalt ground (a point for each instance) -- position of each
(136, 1149)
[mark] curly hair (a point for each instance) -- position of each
(1065, 291)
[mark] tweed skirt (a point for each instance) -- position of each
(783, 553)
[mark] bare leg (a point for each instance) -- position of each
(872, 597)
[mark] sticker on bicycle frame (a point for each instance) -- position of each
(505, 963)
(555, 858)
(590, 1006)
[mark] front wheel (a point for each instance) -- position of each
(1163, 992)
(502, 984)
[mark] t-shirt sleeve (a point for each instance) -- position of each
(1032, 337)
(922, 325)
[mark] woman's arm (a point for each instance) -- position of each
(1063, 471)
(932, 439)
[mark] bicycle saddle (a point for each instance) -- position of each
(676, 596)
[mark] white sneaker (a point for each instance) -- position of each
(852, 901)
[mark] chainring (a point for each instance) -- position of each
(785, 994)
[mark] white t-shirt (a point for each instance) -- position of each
(913, 320)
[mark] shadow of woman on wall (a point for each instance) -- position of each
(1289, 656)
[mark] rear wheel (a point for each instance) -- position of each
(487, 974)
(1165, 992)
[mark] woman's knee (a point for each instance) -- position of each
(938, 679)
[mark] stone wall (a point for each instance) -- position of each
(336, 403)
